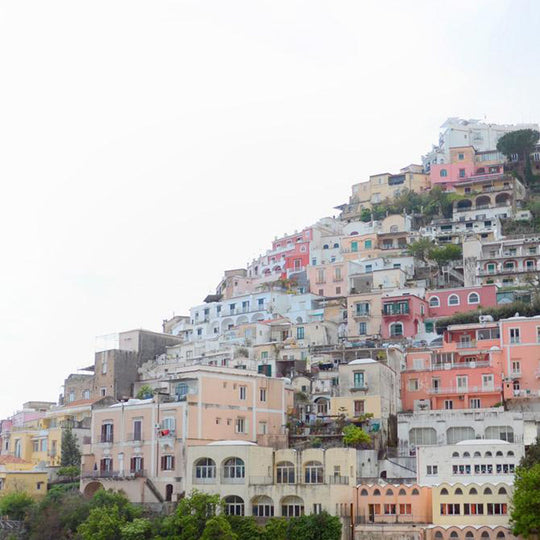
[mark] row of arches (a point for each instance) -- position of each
(471, 533)
(484, 201)
(263, 506)
(478, 454)
(388, 492)
(454, 300)
(473, 491)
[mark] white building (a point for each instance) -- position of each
(478, 460)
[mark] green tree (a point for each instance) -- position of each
(420, 248)
(355, 436)
(71, 455)
(138, 529)
(245, 527)
(192, 513)
(218, 528)
(525, 514)
(532, 455)
(521, 143)
(16, 505)
(145, 391)
(365, 215)
(103, 523)
(71, 471)
(275, 529)
(108, 498)
(444, 254)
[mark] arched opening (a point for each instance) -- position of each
(205, 470)
(91, 489)
(233, 469)
(257, 317)
(465, 204)
(434, 301)
(285, 472)
(502, 199)
(396, 329)
(168, 492)
(262, 506)
(313, 472)
(234, 505)
(483, 202)
(292, 506)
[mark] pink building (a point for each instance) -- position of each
(466, 373)
(446, 302)
(139, 445)
(403, 503)
(403, 316)
(328, 279)
(520, 338)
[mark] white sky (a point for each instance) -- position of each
(147, 146)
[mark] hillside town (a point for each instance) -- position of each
(381, 364)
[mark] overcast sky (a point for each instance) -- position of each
(147, 146)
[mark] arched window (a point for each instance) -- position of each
(326, 246)
(415, 492)
(292, 506)
(502, 491)
(205, 468)
(469, 534)
(510, 453)
(376, 492)
(434, 301)
(455, 454)
(444, 491)
(473, 298)
(313, 472)
(389, 492)
(285, 472)
(364, 493)
(234, 468)
(473, 491)
(454, 534)
(477, 454)
(466, 454)
(444, 173)
(396, 329)
(458, 491)
(262, 506)
(499, 454)
(487, 491)
(488, 454)
(234, 505)
(453, 300)
(500, 534)
(402, 492)
(336, 245)
(485, 534)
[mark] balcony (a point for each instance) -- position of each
(466, 344)
(337, 480)
(441, 391)
(134, 437)
(359, 387)
(391, 310)
(440, 366)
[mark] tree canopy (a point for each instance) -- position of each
(520, 142)
(71, 455)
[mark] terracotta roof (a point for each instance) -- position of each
(11, 459)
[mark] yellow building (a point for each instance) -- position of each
(19, 475)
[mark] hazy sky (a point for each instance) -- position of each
(147, 146)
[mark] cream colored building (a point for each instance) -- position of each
(262, 482)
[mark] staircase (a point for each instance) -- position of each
(155, 491)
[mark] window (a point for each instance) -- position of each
(243, 392)
(292, 506)
(516, 367)
(461, 157)
(462, 173)
(317, 508)
(514, 335)
(450, 509)
(205, 468)
(359, 407)
(354, 246)
(462, 383)
(137, 430)
(300, 332)
(434, 301)
(429, 326)
(362, 309)
(285, 473)
(413, 385)
(457, 434)
(234, 468)
(106, 465)
(263, 506)
(263, 428)
(262, 394)
(432, 470)
(107, 432)
(419, 436)
(104, 366)
(473, 298)
(473, 509)
(474, 403)
(181, 390)
(240, 425)
(496, 509)
(362, 329)
(448, 404)
(389, 509)
(234, 506)
(359, 379)
(396, 329)
(368, 244)
(453, 300)
(167, 463)
(487, 382)
(444, 173)
(313, 472)
(136, 464)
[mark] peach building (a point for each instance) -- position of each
(464, 374)
(328, 279)
(139, 445)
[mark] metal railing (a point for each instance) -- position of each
(465, 390)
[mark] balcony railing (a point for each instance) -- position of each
(337, 480)
(466, 390)
(359, 387)
(466, 344)
(141, 473)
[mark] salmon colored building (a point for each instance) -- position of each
(466, 373)
(447, 302)
(389, 503)
(402, 316)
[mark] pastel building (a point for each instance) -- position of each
(447, 302)
(139, 445)
(477, 460)
(391, 504)
(466, 373)
(17, 475)
(328, 280)
(263, 482)
(402, 316)
(459, 167)
(364, 315)
(367, 386)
